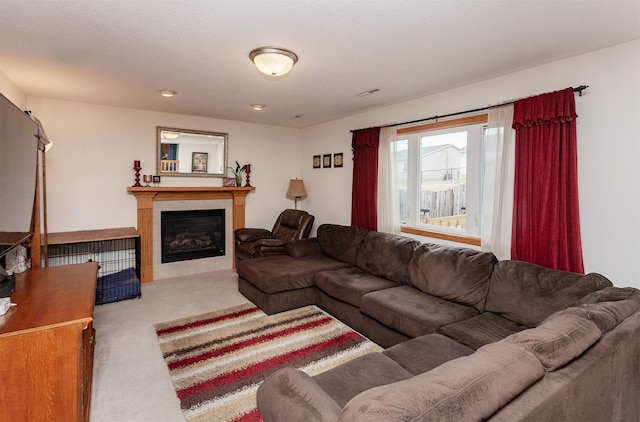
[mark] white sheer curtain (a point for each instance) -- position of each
(388, 200)
(497, 189)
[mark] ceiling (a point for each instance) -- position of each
(122, 52)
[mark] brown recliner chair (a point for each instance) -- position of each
(255, 243)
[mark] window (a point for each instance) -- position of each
(439, 174)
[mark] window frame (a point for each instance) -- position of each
(413, 226)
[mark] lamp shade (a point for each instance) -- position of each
(273, 61)
(296, 189)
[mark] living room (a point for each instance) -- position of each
(89, 166)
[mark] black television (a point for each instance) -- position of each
(19, 135)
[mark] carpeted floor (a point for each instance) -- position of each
(217, 360)
(130, 378)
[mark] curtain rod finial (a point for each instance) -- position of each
(580, 89)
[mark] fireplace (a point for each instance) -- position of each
(153, 200)
(192, 234)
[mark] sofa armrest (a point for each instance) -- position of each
(251, 235)
(290, 394)
(468, 388)
(267, 247)
(304, 247)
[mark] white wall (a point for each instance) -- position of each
(89, 167)
(90, 164)
(9, 90)
(608, 148)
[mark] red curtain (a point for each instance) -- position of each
(546, 223)
(364, 194)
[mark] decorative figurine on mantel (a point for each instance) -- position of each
(247, 168)
(137, 168)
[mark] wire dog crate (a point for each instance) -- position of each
(115, 250)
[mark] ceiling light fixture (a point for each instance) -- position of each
(258, 107)
(167, 93)
(273, 61)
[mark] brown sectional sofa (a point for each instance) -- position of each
(468, 337)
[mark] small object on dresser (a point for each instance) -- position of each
(228, 181)
(7, 286)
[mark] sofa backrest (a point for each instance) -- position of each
(607, 307)
(460, 275)
(527, 293)
(341, 242)
(386, 255)
(612, 294)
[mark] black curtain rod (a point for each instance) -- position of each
(577, 89)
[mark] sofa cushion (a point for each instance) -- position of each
(422, 354)
(558, 340)
(411, 311)
(282, 273)
(351, 378)
(386, 255)
(290, 391)
(350, 284)
(341, 242)
(527, 293)
(274, 303)
(456, 274)
(481, 329)
(470, 388)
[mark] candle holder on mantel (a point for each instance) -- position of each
(137, 168)
(247, 168)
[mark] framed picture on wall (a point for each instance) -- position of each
(326, 160)
(316, 161)
(199, 162)
(337, 159)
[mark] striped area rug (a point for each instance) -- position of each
(217, 361)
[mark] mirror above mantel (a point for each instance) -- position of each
(191, 153)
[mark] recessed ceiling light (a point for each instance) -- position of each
(167, 93)
(258, 107)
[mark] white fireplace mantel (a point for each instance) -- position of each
(147, 195)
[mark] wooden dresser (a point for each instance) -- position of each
(46, 345)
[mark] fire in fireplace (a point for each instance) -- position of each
(192, 234)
